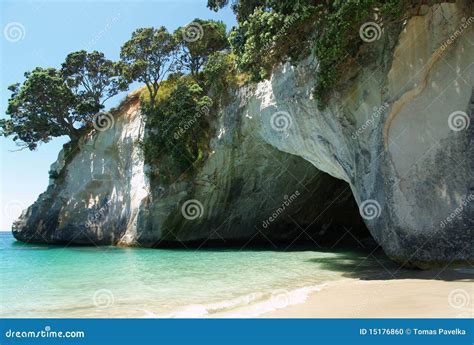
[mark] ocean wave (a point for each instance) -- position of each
(247, 306)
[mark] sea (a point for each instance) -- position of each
(56, 281)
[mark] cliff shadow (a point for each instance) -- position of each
(377, 266)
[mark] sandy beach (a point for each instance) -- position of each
(406, 294)
(428, 294)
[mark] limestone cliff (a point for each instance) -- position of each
(395, 135)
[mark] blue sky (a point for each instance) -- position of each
(48, 31)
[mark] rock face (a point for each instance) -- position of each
(398, 133)
(395, 135)
(247, 191)
(98, 188)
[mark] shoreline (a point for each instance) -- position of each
(315, 285)
(393, 298)
(411, 294)
(421, 297)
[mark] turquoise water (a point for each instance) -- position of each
(48, 281)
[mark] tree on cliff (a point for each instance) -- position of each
(149, 56)
(180, 123)
(52, 103)
(197, 41)
(274, 31)
(40, 109)
(271, 31)
(93, 79)
(242, 8)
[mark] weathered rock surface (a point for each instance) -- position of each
(388, 132)
(97, 190)
(246, 191)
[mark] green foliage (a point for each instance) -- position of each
(177, 109)
(242, 8)
(166, 87)
(338, 39)
(266, 38)
(43, 107)
(220, 73)
(178, 129)
(93, 79)
(52, 103)
(273, 31)
(149, 56)
(197, 41)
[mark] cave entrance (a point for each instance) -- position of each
(294, 207)
(325, 216)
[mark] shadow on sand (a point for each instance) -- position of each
(380, 267)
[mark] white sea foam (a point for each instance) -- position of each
(247, 306)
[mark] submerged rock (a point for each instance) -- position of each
(396, 136)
